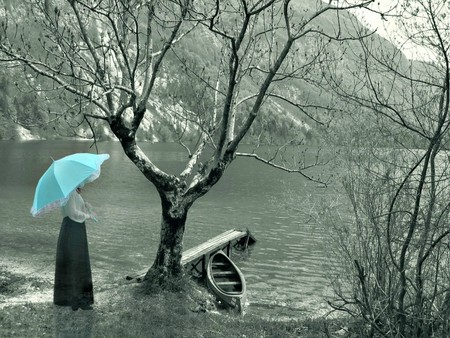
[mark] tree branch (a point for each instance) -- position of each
(283, 168)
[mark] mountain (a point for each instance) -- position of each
(280, 121)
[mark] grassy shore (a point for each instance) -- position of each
(127, 311)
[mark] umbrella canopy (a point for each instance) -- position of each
(63, 177)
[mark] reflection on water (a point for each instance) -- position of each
(284, 269)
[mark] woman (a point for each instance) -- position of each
(73, 277)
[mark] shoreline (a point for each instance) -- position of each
(33, 284)
(122, 309)
(22, 283)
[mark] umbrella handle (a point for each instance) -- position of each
(94, 219)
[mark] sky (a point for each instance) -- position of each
(388, 28)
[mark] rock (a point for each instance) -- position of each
(23, 134)
(203, 306)
(342, 332)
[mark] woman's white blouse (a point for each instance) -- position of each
(76, 209)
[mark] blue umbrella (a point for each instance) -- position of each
(63, 177)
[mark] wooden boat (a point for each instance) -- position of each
(226, 281)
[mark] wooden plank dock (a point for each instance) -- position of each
(196, 258)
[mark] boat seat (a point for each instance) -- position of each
(229, 283)
(223, 273)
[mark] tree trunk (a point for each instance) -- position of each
(167, 263)
(174, 206)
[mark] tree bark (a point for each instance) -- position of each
(167, 263)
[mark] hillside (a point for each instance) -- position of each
(280, 121)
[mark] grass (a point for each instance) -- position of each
(128, 311)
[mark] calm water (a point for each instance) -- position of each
(284, 270)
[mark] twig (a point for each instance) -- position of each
(93, 133)
(272, 164)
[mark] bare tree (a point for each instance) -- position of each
(397, 277)
(108, 56)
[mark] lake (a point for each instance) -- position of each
(285, 270)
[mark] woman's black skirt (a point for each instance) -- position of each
(73, 277)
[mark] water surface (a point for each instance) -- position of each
(285, 270)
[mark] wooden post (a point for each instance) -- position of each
(204, 266)
(246, 240)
